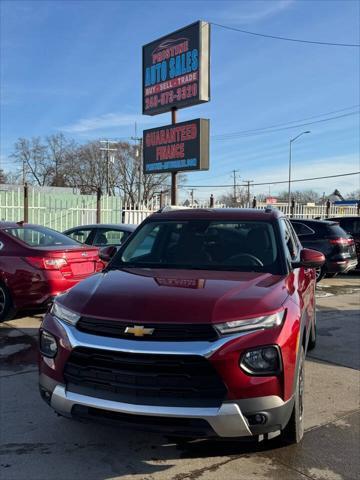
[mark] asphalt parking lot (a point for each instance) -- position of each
(36, 444)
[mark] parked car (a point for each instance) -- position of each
(351, 225)
(330, 239)
(199, 325)
(37, 263)
(101, 235)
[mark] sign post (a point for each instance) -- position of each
(173, 174)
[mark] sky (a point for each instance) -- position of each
(75, 67)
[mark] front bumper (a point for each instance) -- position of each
(226, 421)
(341, 266)
(231, 419)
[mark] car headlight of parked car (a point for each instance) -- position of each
(63, 313)
(262, 361)
(267, 321)
(48, 344)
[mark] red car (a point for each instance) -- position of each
(37, 263)
(199, 326)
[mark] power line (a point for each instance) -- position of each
(293, 121)
(287, 39)
(261, 131)
(274, 128)
(276, 182)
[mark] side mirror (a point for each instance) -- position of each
(106, 253)
(310, 259)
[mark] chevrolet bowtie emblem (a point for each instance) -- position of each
(139, 330)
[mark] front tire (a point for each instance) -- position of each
(5, 303)
(320, 273)
(313, 333)
(294, 430)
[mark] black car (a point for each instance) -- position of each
(101, 235)
(330, 239)
(351, 225)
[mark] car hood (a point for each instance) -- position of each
(177, 296)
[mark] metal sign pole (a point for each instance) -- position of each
(173, 174)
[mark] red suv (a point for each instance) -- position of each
(37, 263)
(198, 326)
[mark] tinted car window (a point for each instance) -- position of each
(302, 229)
(335, 229)
(319, 228)
(351, 225)
(204, 244)
(40, 236)
(81, 236)
(288, 236)
(109, 237)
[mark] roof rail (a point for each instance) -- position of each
(170, 208)
(269, 209)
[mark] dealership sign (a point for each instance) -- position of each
(177, 147)
(176, 70)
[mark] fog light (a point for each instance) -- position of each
(48, 344)
(258, 419)
(262, 361)
(45, 394)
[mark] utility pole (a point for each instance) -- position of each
(192, 197)
(139, 154)
(234, 187)
(107, 149)
(248, 190)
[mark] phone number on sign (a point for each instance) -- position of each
(171, 96)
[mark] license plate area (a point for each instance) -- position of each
(82, 268)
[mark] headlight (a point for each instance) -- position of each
(262, 361)
(268, 321)
(63, 313)
(48, 344)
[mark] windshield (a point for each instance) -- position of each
(202, 244)
(40, 237)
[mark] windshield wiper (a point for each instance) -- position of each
(122, 265)
(177, 266)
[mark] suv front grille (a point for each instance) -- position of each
(174, 332)
(147, 379)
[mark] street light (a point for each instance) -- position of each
(291, 141)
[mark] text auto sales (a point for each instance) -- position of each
(169, 143)
(173, 75)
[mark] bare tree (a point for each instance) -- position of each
(241, 199)
(59, 161)
(300, 196)
(59, 149)
(3, 176)
(129, 179)
(84, 168)
(355, 195)
(31, 156)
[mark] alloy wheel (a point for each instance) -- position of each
(318, 272)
